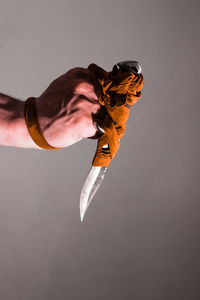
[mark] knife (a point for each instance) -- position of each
(96, 174)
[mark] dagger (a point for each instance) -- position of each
(96, 174)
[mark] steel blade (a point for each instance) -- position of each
(90, 187)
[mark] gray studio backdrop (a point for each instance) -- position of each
(140, 238)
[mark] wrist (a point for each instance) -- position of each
(36, 124)
(18, 132)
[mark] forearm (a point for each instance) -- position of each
(13, 129)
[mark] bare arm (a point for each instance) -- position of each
(13, 130)
(62, 128)
(64, 110)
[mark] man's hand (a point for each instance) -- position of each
(66, 108)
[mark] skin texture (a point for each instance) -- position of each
(65, 110)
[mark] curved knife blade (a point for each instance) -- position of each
(90, 187)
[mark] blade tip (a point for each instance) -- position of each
(82, 216)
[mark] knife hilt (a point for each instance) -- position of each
(125, 66)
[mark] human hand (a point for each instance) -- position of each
(66, 108)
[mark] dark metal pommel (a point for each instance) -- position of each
(129, 66)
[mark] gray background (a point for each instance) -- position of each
(140, 239)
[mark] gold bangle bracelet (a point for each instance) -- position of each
(30, 114)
